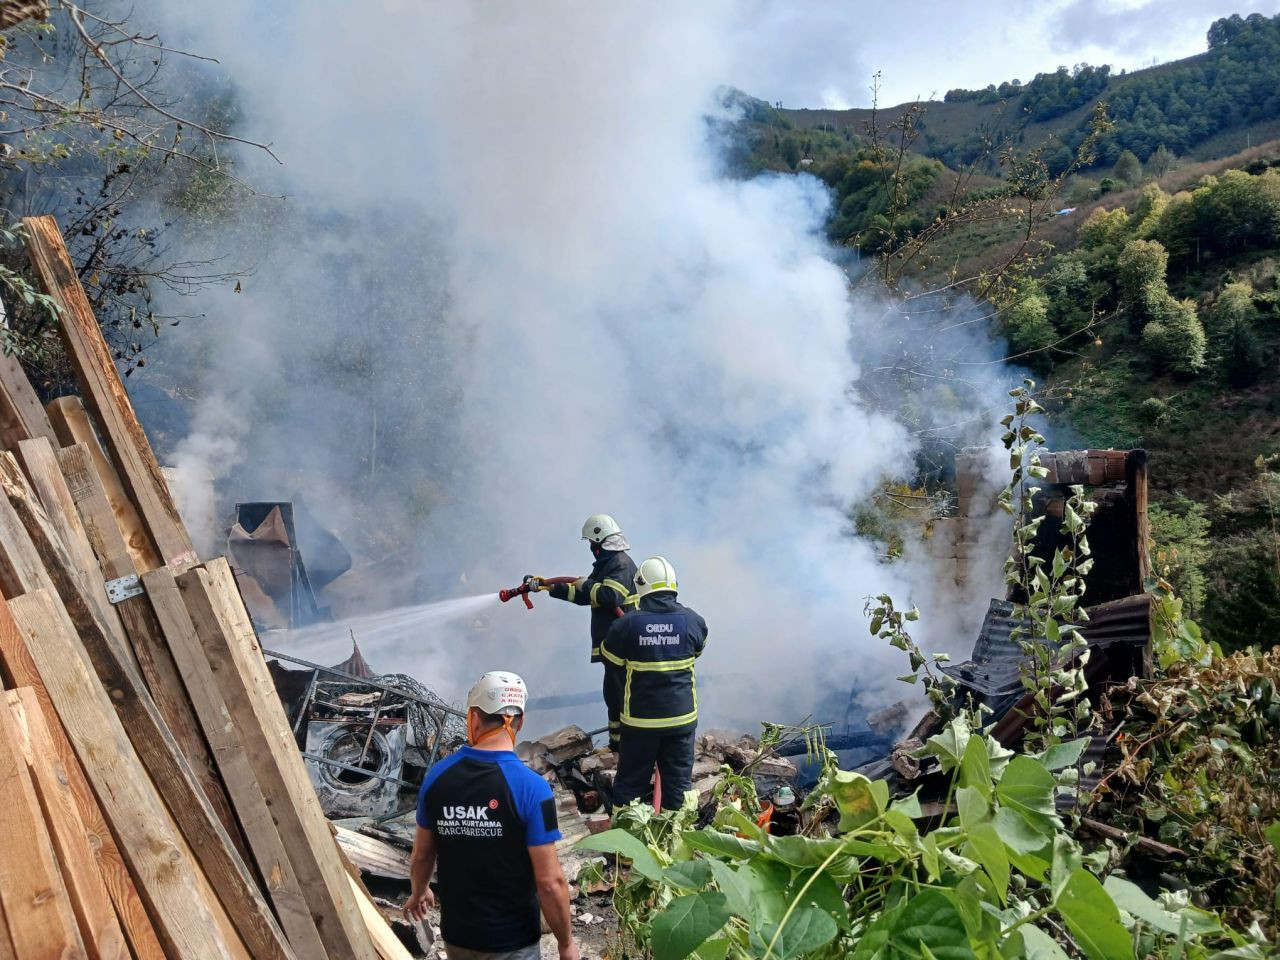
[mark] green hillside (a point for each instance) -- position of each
(1141, 285)
(1200, 107)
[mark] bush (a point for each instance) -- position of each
(1155, 412)
(1175, 338)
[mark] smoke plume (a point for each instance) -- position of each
(509, 286)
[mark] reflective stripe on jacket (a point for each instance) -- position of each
(655, 647)
(607, 587)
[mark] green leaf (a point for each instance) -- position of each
(1063, 754)
(1037, 945)
(949, 745)
(687, 923)
(988, 849)
(858, 799)
(1027, 787)
(973, 807)
(930, 921)
(823, 893)
(975, 766)
(687, 874)
(1066, 861)
(1273, 834)
(802, 851)
(716, 949)
(736, 889)
(738, 822)
(1027, 843)
(720, 844)
(1130, 898)
(909, 805)
(1093, 919)
(620, 842)
(806, 930)
(768, 881)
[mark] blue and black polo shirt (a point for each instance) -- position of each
(486, 809)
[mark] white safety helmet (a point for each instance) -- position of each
(655, 575)
(497, 693)
(599, 527)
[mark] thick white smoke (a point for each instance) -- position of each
(508, 222)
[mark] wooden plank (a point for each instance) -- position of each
(103, 939)
(71, 423)
(165, 876)
(21, 416)
(146, 638)
(384, 939)
(260, 830)
(159, 752)
(231, 648)
(18, 669)
(104, 393)
(45, 476)
(6, 945)
(36, 905)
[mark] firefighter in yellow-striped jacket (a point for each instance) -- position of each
(654, 648)
(607, 590)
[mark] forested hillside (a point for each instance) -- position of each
(1143, 286)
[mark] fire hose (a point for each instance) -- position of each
(532, 584)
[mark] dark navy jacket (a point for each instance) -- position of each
(654, 648)
(606, 589)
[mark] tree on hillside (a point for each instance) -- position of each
(1233, 318)
(1071, 295)
(1175, 338)
(1162, 161)
(1128, 168)
(1140, 277)
(1104, 227)
(1148, 211)
(1024, 321)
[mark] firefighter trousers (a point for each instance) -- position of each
(641, 752)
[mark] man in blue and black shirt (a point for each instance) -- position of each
(487, 826)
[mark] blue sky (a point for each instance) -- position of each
(824, 52)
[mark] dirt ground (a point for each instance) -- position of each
(595, 927)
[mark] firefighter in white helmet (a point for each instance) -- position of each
(487, 825)
(607, 590)
(653, 649)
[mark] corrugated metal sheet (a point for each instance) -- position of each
(992, 674)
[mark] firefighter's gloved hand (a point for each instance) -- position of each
(577, 584)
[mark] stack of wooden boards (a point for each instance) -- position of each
(156, 804)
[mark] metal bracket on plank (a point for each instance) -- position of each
(122, 588)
